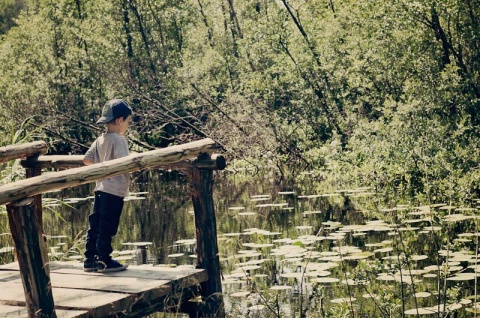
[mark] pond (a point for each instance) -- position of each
(291, 248)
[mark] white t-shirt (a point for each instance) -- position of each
(110, 146)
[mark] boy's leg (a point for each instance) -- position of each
(108, 224)
(89, 263)
(93, 220)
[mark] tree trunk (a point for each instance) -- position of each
(205, 21)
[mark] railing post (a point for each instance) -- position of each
(201, 191)
(37, 199)
(32, 258)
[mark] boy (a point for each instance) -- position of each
(109, 193)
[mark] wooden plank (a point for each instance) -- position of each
(22, 150)
(7, 275)
(98, 304)
(183, 277)
(9, 267)
(108, 283)
(146, 271)
(13, 266)
(77, 176)
(149, 288)
(140, 271)
(143, 291)
(18, 311)
(180, 281)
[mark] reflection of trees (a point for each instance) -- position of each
(162, 217)
(6, 242)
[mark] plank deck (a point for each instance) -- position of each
(17, 311)
(80, 294)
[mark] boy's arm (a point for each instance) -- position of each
(87, 161)
(89, 157)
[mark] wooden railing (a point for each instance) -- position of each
(23, 199)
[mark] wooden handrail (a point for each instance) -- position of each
(77, 176)
(22, 150)
(214, 162)
(24, 213)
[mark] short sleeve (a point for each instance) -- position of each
(121, 149)
(91, 152)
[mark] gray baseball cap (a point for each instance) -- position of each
(113, 109)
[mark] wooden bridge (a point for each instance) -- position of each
(35, 287)
(138, 291)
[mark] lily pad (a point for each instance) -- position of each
(463, 276)
(420, 311)
(422, 294)
(240, 294)
(342, 300)
(326, 280)
(175, 255)
(280, 287)
(246, 213)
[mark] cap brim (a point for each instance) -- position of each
(104, 120)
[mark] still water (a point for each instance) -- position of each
(290, 247)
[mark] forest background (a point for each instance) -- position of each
(373, 92)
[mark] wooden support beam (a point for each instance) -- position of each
(54, 161)
(32, 258)
(201, 191)
(171, 303)
(214, 162)
(23, 150)
(77, 176)
(37, 199)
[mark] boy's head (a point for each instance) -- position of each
(114, 109)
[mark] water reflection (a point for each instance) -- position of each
(156, 211)
(288, 248)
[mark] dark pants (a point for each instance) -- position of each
(103, 221)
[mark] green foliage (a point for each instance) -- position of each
(378, 92)
(9, 10)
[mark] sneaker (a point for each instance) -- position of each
(89, 265)
(110, 265)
